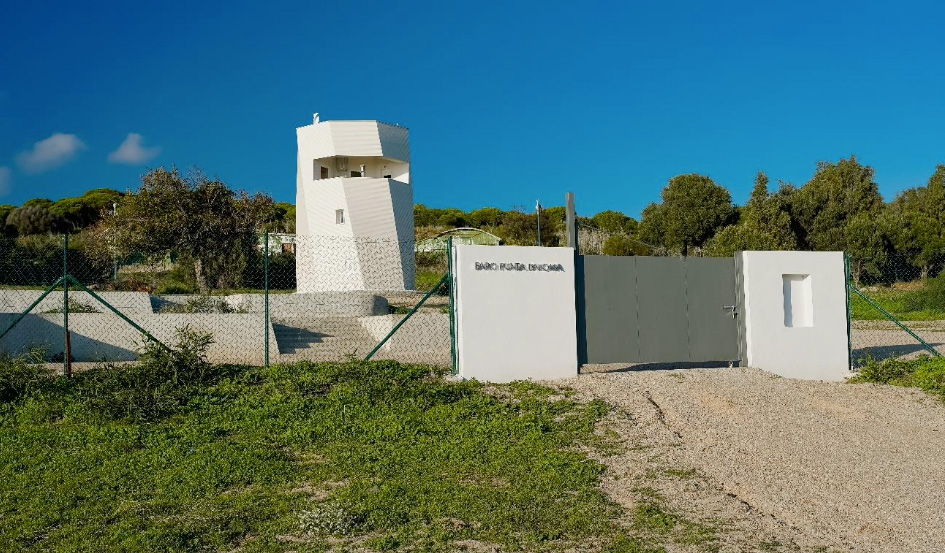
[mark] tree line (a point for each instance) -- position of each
(201, 220)
(839, 209)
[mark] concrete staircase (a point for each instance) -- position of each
(321, 338)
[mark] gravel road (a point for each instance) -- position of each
(781, 464)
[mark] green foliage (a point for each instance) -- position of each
(513, 227)
(521, 229)
(423, 216)
(19, 375)
(764, 224)
(451, 218)
(36, 260)
(905, 305)
(74, 214)
(614, 222)
(281, 218)
(485, 217)
(6, 230)
(619, 244)
(425, 280)
(831, 199)
(931, 296)
(180, 456)
(868, 246)
(557, 215)
(39, 202)
(694, 207)
(915, 223)
(194, 217)
(32, 219)
(927, 373)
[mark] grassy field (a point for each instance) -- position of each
(174, 454)
(907, 304)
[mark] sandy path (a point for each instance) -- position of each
(802, 464)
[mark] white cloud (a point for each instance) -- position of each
(133, 152)
(50, 153)
(5, 179)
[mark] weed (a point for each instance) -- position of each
(331, 518)
(22, 373)
(651, 516)
(75, 306)
(927, 373)
(682, 474)
(203, 304)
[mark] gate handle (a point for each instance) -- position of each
(732, 308)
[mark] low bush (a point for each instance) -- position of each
(21, 374)
(927, 373)
(930, 297)
(159, 385)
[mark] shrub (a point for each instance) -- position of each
(21, 374)
(930, 297)
(155, 387)
(618, 245)
(927, 373)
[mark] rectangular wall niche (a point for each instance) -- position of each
(798, 303)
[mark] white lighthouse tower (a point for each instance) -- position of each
(354, 207)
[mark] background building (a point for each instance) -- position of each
(354, 219)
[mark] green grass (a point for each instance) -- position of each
(927, 373)
(177, 455)
(425, 280)
(906, 305)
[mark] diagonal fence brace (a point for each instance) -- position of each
(407, 316)
(32, 306)
(893, 318)
(119, 313)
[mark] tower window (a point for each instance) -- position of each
(324, 172)
(339, 216)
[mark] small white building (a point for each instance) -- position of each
(354, 218)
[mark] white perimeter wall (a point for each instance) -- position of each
(514, 325)
(777, 295)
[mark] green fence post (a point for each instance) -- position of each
(266, 298)
(452, 285)
(67, 345)
(846, 272)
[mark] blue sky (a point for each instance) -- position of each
(506, 102)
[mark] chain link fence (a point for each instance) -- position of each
(292, 298)
(287, 298)
(900, 315)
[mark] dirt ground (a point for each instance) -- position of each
(778, 464)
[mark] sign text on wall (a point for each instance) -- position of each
(518, 267)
